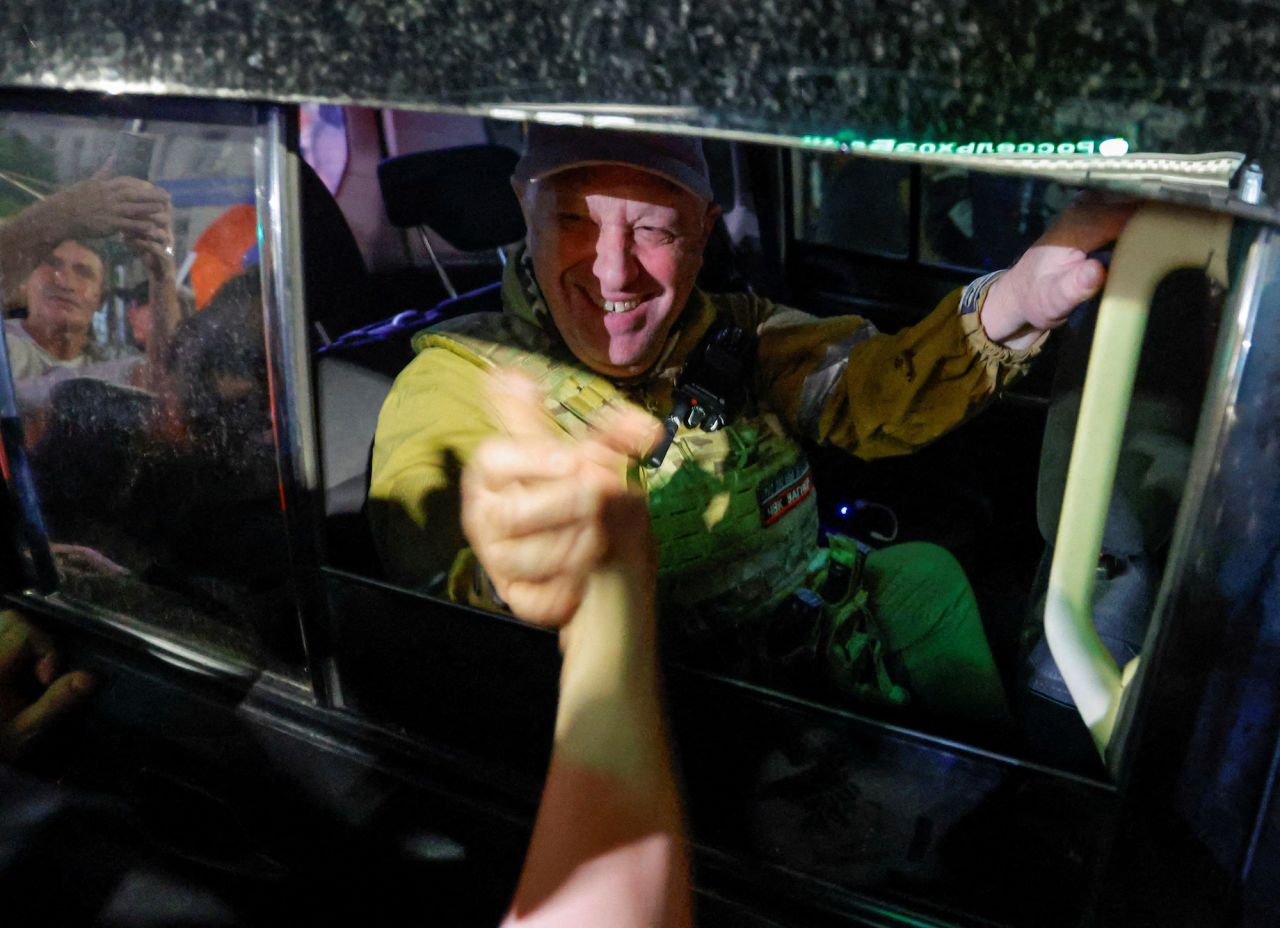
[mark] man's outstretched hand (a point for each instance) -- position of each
(1054, 275)
(105, 204)
(33, 695)
(97, 207)
(541, 511)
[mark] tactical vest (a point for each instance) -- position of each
(733, 511)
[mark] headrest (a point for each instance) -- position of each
(462, 194)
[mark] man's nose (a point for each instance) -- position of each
(615, 265)
(61, 278)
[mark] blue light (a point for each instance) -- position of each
(844, 510)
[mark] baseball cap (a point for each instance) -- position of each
(550, 149)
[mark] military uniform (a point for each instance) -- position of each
(733, 511)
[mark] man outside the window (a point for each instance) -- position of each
(50, 249)
(601, 310)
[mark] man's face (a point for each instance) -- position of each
(615, 251)
(65, 289)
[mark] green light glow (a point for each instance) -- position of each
(847, 141)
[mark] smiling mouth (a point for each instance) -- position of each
(613, 307)
(616, 307)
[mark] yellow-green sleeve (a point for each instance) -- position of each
(837, 381)
(433, 419)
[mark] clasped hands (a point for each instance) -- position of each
(543, 512)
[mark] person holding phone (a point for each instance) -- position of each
(51, 262)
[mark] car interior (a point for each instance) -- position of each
(829, 234)
(403, 221)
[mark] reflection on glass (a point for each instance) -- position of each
(983, 221)
(134, 331)
(968, 219)
(855, 203)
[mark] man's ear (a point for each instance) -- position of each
(709, 222)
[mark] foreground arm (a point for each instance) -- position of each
(570, 541)
(608, 846)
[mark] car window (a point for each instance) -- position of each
(973, 515)
(971, 219)
(135, 339)
(964, 219)
(854, 203)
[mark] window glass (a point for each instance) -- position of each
(968, 219)
(855, 203)
(747, 589)
(902, 585)
(983, 221)
(134, 330)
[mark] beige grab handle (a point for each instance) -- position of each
(1157, 240)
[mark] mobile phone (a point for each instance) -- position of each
(132, 156)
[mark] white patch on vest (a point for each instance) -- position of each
(783, 492)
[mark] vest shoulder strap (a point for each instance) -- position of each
(574, 394)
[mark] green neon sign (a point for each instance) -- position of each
(846, 142)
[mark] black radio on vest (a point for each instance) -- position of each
(710, 388)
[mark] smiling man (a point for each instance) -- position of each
(602, 312)
(618, 250)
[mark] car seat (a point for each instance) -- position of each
(464, 195)
(335, 278)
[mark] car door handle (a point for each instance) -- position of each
(1159, 239)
